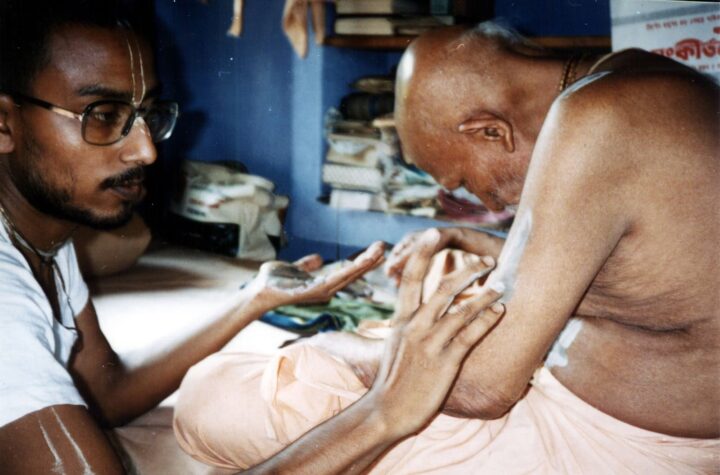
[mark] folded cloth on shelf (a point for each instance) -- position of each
(235, 410)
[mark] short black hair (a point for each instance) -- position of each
(26, 27)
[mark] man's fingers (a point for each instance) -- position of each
(401, 248)
(399, 255)
(402, 251)
(373, 253)
(309, 263)
(450, 287)
(369, 259)
(469, 335)
(410, 293)
(334, 284)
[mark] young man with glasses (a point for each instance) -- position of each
(79, 116)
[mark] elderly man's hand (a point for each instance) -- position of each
(476, 242)
(429, 343)
(281, 283)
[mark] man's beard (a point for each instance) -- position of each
(56, 201)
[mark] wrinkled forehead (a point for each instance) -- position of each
(86, 58)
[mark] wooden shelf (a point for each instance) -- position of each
(368, 41)
(401, 42)
(571, 42)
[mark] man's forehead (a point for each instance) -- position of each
(88, 60)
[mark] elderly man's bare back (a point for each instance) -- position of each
(648, 348)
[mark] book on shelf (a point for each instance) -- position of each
(362, 150)
(358, 200)
(384, 122)
(389, 26)
(374, 84)
(352, 143)
(379, 7)
(464, 10)
(366, 158)
(352, 178)
(367, 106)
(360, 129)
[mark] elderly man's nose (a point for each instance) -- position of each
(138, 145)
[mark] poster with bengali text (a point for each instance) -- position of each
(688, 32)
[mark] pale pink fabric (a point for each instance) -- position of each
(236, 410)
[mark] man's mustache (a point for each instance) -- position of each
(133, 175)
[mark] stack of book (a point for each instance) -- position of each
(367, 174)
(404, 17)
(356, 164)
(386, 17)
(363, 167)
(359, 154)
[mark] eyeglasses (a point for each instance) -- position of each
(106, 122)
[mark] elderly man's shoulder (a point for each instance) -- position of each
(638, 96)
(632, 83)
(632, 117)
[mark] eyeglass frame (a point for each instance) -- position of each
(136, 112)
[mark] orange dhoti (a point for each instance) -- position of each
(236, 410)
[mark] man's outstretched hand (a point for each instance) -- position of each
(281, 283)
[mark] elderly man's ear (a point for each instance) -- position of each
(7, 109)
(491, 128)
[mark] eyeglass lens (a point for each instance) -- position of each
(108, 121)
(161, 118)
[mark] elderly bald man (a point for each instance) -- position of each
(617, 218)
(614, 163)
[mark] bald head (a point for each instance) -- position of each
(461, 110)
(441, 70)
(454, 69)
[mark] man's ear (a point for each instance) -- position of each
(490, 127)
(7, 110)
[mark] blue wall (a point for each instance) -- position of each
(250, 99)
(556, 17)
(235, 94)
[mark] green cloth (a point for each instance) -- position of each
(347, 313)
